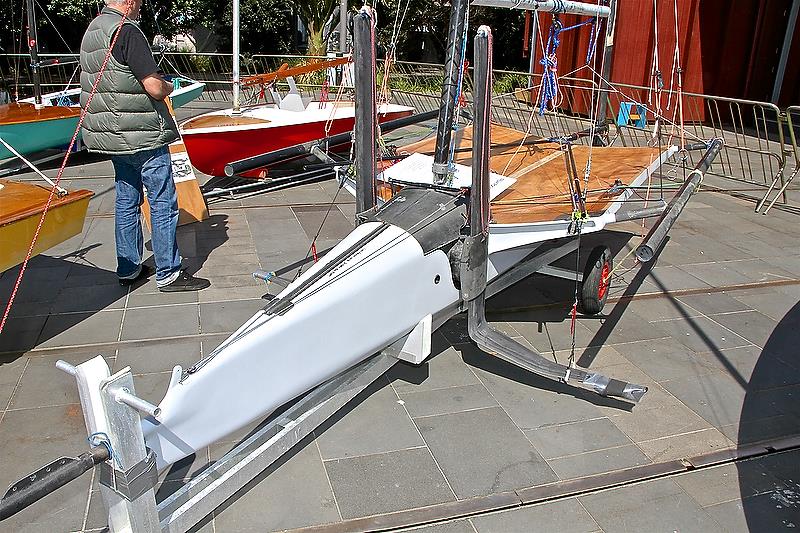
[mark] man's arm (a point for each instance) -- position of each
(134, 51)
(156, 87)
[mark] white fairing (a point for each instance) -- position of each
(274, 358)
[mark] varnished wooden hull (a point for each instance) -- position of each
(21, 206)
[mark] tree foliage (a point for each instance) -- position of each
(268, 26)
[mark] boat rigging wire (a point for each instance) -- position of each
(320, 284)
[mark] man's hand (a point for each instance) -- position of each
(157, 87)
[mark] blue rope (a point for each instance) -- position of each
(550, 64)
(550, 61)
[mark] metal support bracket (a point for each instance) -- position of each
(133, 482)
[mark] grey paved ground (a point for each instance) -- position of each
(721, 364)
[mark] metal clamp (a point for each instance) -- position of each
(133, 482)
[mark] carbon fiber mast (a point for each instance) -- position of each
(447, 104)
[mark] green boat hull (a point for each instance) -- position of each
(31, 137)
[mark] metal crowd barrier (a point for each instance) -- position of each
(759, 160)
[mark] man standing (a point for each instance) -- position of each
(129, 120)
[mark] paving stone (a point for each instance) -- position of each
(151, 387)
(664, 308)
(757, 368)
(351, 432)
(153, 323)
(762, 429)
(576, 438)
(449, 400)
(727, 482)
(719, 274)
(155, 299)
(387, 482)
(595, 462)
(11, 369)
(760, 404)
(160, 356)
(90, 298)
(671, 278)
(701, 334)
(664, 360)
(80, 328)
(658, 421)
(61, 510)
(765, 512)
(444, 369)
(42, 384)
(751, 325)
(533, 401)
(495, 459)
(226, 317)
(715, 397)
(564, 516)
(627, 327)
(247, 292)
(759, 270)
(548, 336)
(594, 357)
(21, 334)
(293, 493)
(714, 303)
(685, 445)
(324, 222)
(654, 506)
(53, 431)
(771, 303)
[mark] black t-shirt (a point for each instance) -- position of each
(133, 50)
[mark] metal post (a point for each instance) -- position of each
(447, 104)
(236, 38)
(108, 418)
(365, 111)
(532, 64)
(787, 45)
(33, 48)
(343, 28)
(608, 60)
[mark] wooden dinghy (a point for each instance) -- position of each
(21, 207)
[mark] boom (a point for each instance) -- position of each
(549, 6)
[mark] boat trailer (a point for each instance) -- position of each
(128, 470)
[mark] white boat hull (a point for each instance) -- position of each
(274, 358)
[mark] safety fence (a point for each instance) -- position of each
(760, 158)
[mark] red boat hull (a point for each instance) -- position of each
(209, 152)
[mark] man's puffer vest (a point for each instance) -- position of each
(122, 118)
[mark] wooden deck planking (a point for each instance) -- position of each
(541, 192)
(23, 113)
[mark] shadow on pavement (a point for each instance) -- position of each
(770, 486)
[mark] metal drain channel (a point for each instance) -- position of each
(551, 492)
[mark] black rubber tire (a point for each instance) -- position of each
(594, 290)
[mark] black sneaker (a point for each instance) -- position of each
(186, 282)
(144, 273)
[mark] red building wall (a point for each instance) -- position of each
(727, 47)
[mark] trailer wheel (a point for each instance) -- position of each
(596, 281)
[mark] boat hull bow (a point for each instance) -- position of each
(314, 332)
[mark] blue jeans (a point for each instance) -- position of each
(153, 169)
